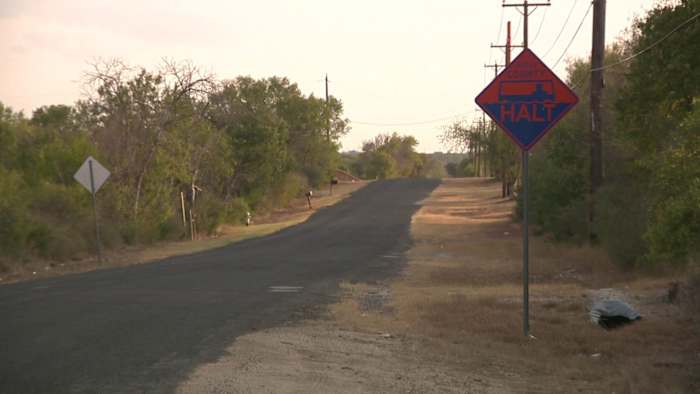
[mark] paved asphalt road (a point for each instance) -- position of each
(144, 328)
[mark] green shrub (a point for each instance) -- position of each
(236, 211)
(15, 224)
(14, 228)
(129, 232)
(109, 232)
(465, 167)
(571, 222)
(621, 221)
(209, 214)
(674, 234)
(39, 239)
(64, 244)
(61, 203)
(171, 229)
(292, 186)
(212, 212)
(674, 230)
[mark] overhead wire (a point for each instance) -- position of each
(659, 41)
(575, 85)
(566, 21)
(641, 52)
(500, 25)
(539, 29)
(498, 37)
(423, 122)
(575, 34)
(517, 28)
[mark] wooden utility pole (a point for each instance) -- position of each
(526, 252)
(596, 140)
(526, 13)
(328, 127)
(505, 183)
(184, 216)
(508, 46)
(495, 67)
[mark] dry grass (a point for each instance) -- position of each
(461, 294)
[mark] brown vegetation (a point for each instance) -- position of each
(460, 296)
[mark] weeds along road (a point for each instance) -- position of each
(145, 327)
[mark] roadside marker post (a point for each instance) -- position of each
(526, 100)
(92, 175)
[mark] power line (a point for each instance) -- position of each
(643, 51)
(520, 21)
(498, 37)
(574, 36)
(407, 123)
(539, 29)
(500, 26)
(566, 21)
(659, 41)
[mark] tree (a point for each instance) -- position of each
(242, 144)
(488, 148)
(134, 112)
(390, 156)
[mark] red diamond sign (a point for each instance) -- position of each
(526, 99)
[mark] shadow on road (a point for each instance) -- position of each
(145, 327)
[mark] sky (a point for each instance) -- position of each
(408, 66)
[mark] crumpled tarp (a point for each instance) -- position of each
(613, 313)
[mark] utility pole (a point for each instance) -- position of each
(505, 183)
(495, 66)
(596, 140)
(482, 128)
(508, 46)
(526, 253)
(328, 137)
(502, 167)
(526, 13)
(328, 127)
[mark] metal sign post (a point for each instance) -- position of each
(526, 100)
(94, 209)
(92, 175)
(526, 251)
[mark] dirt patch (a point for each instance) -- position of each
(276, 220)
(452, 321)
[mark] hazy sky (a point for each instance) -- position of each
(392, 63)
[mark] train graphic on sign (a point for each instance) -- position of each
(526, 91)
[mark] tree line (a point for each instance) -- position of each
(166, 134)
(647, 211)
(392, 155)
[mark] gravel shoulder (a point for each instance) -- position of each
(319, 357)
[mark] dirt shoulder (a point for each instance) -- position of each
(275, 220)
(452, 321)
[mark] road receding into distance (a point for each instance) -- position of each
(143, 328)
